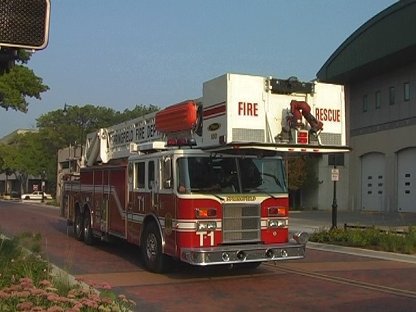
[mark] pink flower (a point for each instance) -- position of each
(37, 291)
(22, 294)
(53, 297)
(55, 309)
(24, 306)
(105, 286)
(3, 295)
(45, 283)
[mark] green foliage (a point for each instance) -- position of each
(370, 238)
(302, 172)
(17, 264)
(296, 173)
(15, 157)
(61, 128)
(17, 84)
(58, 129)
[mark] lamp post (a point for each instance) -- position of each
(43, 176)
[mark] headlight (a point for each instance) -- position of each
(206, 226)
(277, 223)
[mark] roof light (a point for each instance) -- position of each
(181, 142)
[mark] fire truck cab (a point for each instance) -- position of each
(204, 181)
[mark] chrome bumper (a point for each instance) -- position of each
(242, 254)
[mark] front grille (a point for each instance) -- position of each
(241, 223)
(330, 138)
(248, 135)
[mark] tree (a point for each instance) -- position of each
(301, 176)
(26, 156)
(35, 153)
(17, 82)
(62, 128)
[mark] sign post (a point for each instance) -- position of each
(335, 160)
(335, 179)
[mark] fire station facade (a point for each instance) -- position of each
(377, 65)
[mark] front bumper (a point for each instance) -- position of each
(234, 254)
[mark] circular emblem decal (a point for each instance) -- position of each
(213, 127)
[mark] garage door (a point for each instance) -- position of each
(372, 182)
(406, 179)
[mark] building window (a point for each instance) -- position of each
(365, 103)
(391, 96)
(378, 99)
(406, 91)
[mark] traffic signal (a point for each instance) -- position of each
(24, 23)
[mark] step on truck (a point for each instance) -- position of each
(204, 181)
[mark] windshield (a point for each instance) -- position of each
(230, 175)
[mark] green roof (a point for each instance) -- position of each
(386, 41)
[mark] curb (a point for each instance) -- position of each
(383, 255)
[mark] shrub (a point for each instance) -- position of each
(370, 238)
(26, 283)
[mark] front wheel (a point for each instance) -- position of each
(154, 259)
(78, 226)
(88, 236)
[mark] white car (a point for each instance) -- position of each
(36, 195)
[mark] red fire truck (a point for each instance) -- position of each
(204, 181)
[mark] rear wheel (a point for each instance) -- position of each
(151, 246)
(78, 226)
(88, 236)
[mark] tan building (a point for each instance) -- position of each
(68, 163)
(377, 64)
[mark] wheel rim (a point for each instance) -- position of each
(87, 225)
(151, 246)
(78, 227)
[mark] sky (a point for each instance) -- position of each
(123, 53)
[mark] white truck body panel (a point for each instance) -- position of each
(238, 111)
(241, 110)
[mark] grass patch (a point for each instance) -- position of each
(27, 283)
(369, 238)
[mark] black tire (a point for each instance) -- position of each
(88, 236)
(78, 226)
(151, 247)
(27, 198)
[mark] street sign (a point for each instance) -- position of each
(24, 23)
(334, 174)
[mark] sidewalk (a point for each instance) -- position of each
(311, 221)
(314, 220)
